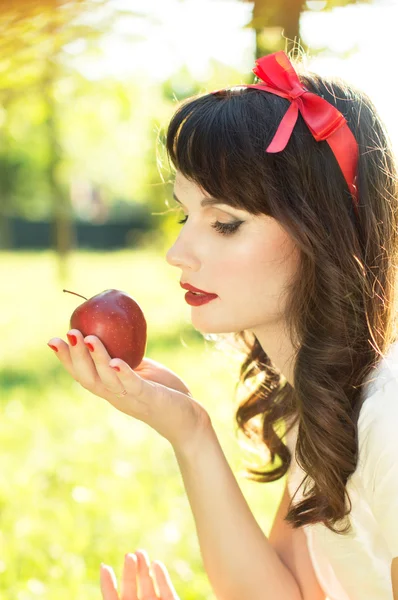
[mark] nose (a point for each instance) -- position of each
(181, 255)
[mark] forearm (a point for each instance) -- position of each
(238, 558)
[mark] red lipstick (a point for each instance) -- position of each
(195, 296)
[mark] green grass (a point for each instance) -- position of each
(81, 483)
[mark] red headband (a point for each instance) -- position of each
(322, 118)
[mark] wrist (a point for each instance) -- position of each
(194, 442)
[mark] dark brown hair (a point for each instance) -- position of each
(341, 309)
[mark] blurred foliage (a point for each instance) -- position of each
(41, 92)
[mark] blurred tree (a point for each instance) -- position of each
(32, 35)
(35, 36)
(277, 22)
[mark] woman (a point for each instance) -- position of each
(290, 243)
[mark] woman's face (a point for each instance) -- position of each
(247, 267)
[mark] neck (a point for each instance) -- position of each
(276, 343)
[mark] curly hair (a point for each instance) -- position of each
(341, 311)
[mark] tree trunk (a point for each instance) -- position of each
(62, 231)
(6, 237)
(7, 184)
(290, 22)
(269, 19)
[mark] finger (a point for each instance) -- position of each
(146, 585)
(108, 583)
(129, 578)
(115, 375)
(100, 357)
(142, 395)
(83, 365)
(61, 350)
(162, 578)
(77, 359)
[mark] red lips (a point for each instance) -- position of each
(191, 288)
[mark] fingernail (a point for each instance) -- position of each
(53, 347)
(89, 346)
(143, 554)
(72, 339)
(115, 368)
(130, 556)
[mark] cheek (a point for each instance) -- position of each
(256, 277)
(277, 262)
(261, 263)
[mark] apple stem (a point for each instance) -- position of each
(69, 292)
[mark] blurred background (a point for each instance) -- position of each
(86, 91)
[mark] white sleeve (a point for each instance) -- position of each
(379, 456)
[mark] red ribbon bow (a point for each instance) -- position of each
(322, 118)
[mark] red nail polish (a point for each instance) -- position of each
(72, 339)
(53, 347)
(116, 368)
(89, 346)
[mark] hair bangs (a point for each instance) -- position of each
(212, 141)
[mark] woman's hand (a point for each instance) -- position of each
(137, 581)
(153, 393)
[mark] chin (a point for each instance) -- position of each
(207, 326)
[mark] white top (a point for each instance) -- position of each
(357, 565)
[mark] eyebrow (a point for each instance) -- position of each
(204, 202)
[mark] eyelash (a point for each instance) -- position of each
(223, 228)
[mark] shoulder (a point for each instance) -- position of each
(377, 433)
(379, 411)
(377, 458)
(378, 418)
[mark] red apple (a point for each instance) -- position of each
(117, 320)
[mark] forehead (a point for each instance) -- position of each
(184, 187)
(183, 183)
(205, 201)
